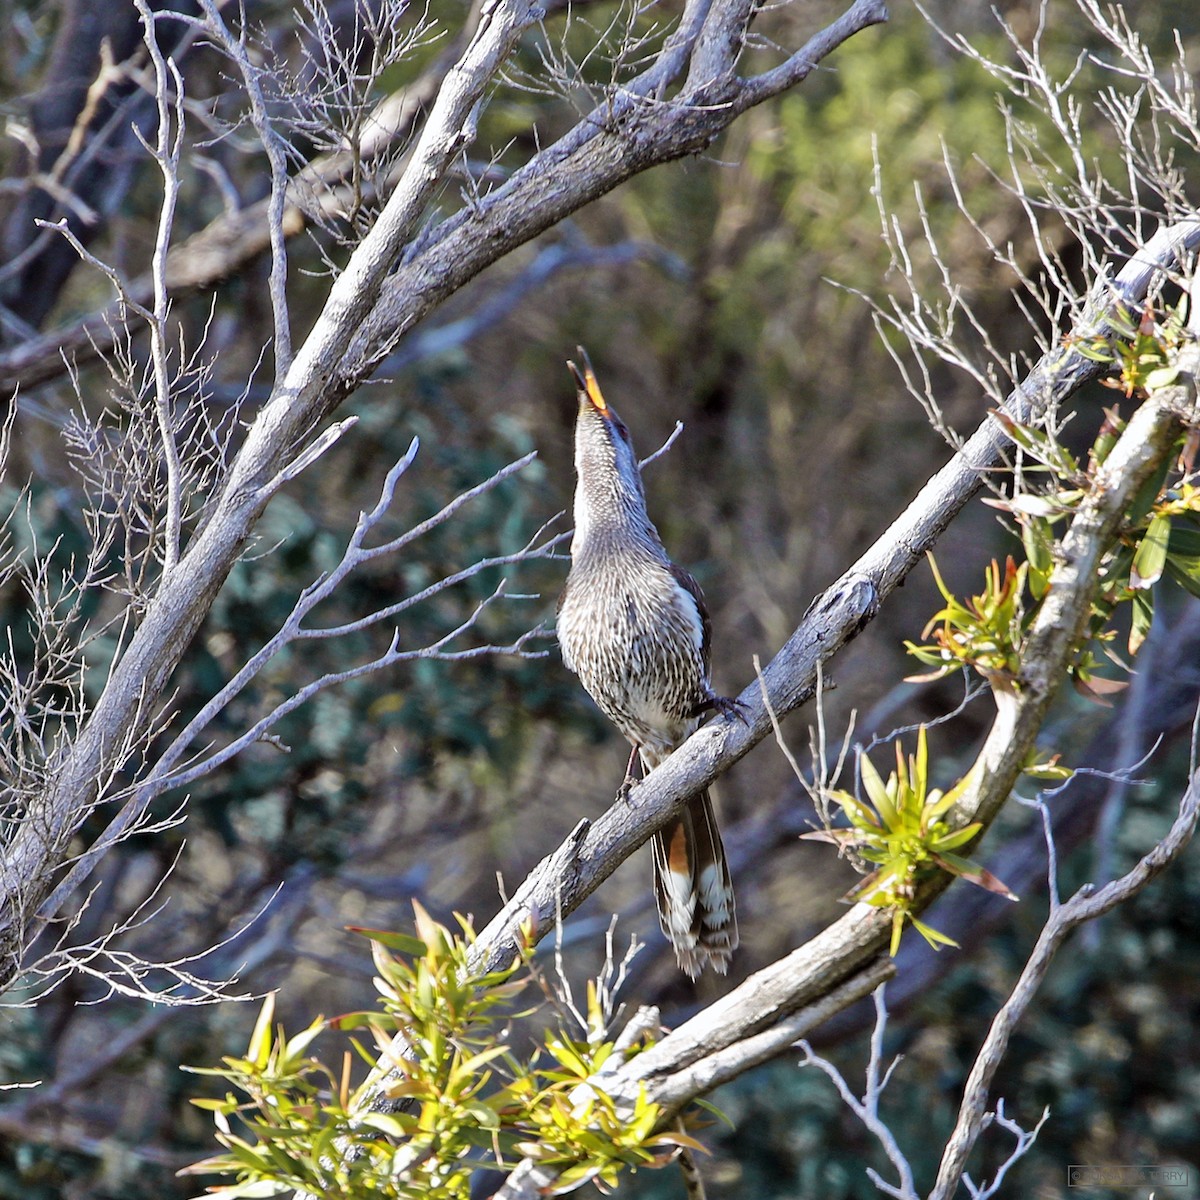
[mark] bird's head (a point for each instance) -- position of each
(610, 481)
(602, 442)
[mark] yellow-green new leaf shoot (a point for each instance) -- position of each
(259, 1052)
(952, 841)
(877, 791)
(934, 937)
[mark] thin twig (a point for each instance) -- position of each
(273, 147)
(1085, 905)
(166, 153)
(866, 1108)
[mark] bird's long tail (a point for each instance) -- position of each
(693, 889)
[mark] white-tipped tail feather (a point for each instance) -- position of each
(694, 890)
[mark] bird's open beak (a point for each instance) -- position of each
(585, 381)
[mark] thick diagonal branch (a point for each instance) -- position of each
(347, 340)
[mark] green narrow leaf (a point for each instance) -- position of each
(1038, 554)
(402, 943)
(484, 1114)
(1151, 556)
(920, 777)
(295, 1047)
(1185, 539)
(568, 1056)
(1186, 573)
(960, 837)
(1032, 505)
(248, 1156)
(473, 1064)
(866, 885)
(947, 594)
(1033, 441)
(259, 1051)
(1148, 492)
(877, 791)
(934, 937)
(858, 813)
(1161, 377)
(1097, 350)
(972, 872)
(393, 1126)
(1142, 617)
(256, 1189)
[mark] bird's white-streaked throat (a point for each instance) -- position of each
(606, 512)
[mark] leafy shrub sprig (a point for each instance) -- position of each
(460, 1098)
(901, 827)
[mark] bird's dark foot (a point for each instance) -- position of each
(725, 706)
(634, 771)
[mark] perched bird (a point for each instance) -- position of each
(633, 626)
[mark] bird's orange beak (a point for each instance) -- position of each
(585, 381)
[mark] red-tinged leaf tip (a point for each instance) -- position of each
(835, 837)
(1097, 689)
